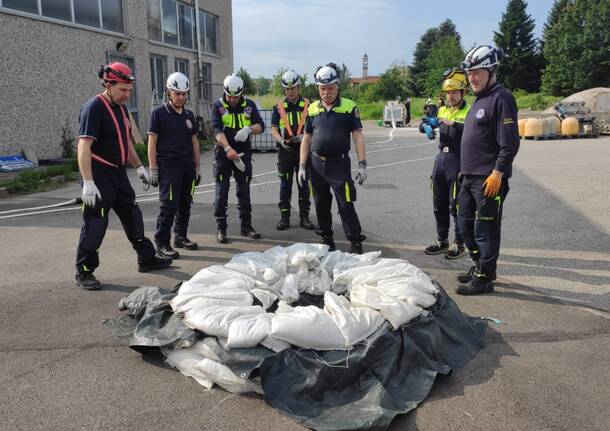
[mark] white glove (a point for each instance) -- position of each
(154, 177)
(301, 176)
(143, 175)
(239, 164)
(243, 134)
(361, 174)
(90, 192)
(285, 146)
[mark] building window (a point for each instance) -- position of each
(182, 66)
(30, 6)
(204, 84)
(171, 22)
(158, 76)
(208, 32)
(58, 9)
(85, 12)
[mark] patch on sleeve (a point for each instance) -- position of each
(508, 120)
(356, 113)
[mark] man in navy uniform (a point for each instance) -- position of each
(489, 144)
(104, 148)
(173, 157)
(290, 114)
(331, 122)
(234, 119)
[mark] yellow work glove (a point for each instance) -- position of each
(492, 184)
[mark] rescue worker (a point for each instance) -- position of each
(290, 115)
(104, 148)
(490, 142)
(331, 122)
(408, 109)
(234, 119)
(173, 157)
(444, 179)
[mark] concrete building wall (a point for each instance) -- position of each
(48, 70)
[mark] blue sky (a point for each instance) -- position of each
(269, 34)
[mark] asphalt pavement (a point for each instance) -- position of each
(545, 365)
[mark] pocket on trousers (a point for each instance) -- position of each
(489, 208)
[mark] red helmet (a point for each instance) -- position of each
(116, 72)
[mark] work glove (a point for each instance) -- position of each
(90, 192)
(197, 178)
(361, 174)
(429, 131)
(243, 134)
(301, 176)
(239, 164)
(491, 186)
(432, 122)
(231, 153)
(144, 178)
(154, 177)
(295, 140)
(286, 145)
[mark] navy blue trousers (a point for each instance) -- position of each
(480, 220)
(176, 189)
(334, 173)
(118, 195)
(287, 169)
(223, 170)
(444, 183)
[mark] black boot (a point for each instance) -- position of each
(284, 223)
(154, 263)
(221, 236)
(330, 242)
(466, 277)
(437, 248)
(478, 285)
(87, 281)
(165, 250)
(456, 251)
(356, 248)
(184, 242)
(306, 223)
(250, 232)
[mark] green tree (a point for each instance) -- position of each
(392, 84)
(249, 87)
(276, 82)
(577, 48)
(553, 17)
(418, 71)
(445, 54)
(521, 67)
(262, 85)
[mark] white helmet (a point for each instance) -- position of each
(290, 79)
(326, 75)
(177, 82)
(233, 85)
(482, 57)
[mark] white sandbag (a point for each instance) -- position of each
(211, 295)
(215, 320)
(405, 289)
(354, 323)
(184, 360)
(397, 312)
(372, 273)
(217, 275)
(275, 344)
(225, 378)
(340, 261)
(265, 297)
(317, 282)
(279, 256)
(310, 254)
(290, 288)
(309, 327)
(265, 267)
(204, 348)
(248, 331)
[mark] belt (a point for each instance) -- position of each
(447, 150)
(325, 158)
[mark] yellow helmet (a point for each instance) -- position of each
(456, 80)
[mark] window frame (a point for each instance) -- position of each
(39, 16)
(157, 99)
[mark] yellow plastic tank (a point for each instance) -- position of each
(570, 126)
(521, 123)
(552, 125)
(534, 128)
